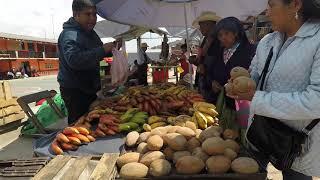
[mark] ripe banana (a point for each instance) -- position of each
(62, 138)
(83, 130)
(70, 130)
(210, 111)
(157, 124)
(56, 148)
(74, 140)
(210, 119)
(91, 138)
(155, 119)
(203, 104)
(82, 138)
(194, 120)
(202, 121)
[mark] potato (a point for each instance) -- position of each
(189, 165)
(149, 157)
(193, 143)
(133, 170)
(175, 141)
(243, 85)
(132, 138)
(172, 129)
(179, 154)
(213, 146)
(186, 132)
(238, 72)
(155, 143)
(218, 164)
(229, 153)
(161, 131)
(191, 125)
(198, 132)
(142, 148)
(212, 131)
(143, 137)
(168, 152)
(128, 158)
(230, 134)
(199, 153)
(232, 145)
(160, 167)
(245, 165)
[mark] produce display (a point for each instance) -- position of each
(182, 150)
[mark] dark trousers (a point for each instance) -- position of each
(143, 74)
(287, 174)
(77, 102)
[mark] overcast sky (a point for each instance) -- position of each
(43, 18)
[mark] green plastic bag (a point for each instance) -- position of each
(46, 115)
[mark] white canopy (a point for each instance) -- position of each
(170, 13)
(107, 29)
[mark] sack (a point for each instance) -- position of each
(119, 68)
(276, 141)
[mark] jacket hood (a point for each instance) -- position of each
(71, 23)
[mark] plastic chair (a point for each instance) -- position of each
(24, 102)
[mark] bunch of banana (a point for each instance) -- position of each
(132, 120)
(156, 121)
(205, 114)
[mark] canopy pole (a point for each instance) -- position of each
(188, 46)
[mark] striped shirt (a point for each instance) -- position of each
(292, 87)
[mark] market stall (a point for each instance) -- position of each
(163, 131)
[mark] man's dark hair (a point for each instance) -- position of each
(79, 5)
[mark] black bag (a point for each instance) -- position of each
(276, 141)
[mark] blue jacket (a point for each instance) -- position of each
(79, 54)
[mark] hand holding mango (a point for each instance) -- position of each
(240, 82)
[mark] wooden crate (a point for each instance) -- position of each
(5, 90)
(11, 118)
(6, 111)
(80, 168)
(9, 102)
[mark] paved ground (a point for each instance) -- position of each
(13, 146)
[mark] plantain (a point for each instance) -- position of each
(128, 126)
(202, 121)
(128, 115)
(158, 124)
(210, 119)
(155, 119)
(146, 127)
(194, 120)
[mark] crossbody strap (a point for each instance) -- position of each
(262, 79)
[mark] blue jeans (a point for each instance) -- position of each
(287, 174)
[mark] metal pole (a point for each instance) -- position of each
(188, 46)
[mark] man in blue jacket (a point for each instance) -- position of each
(80, 51)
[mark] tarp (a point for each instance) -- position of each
(109, 144)
(106, 29)
(170, 13)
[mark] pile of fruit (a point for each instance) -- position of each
(181, 150)
(70, 139)
(166, 99)
(133, 120)
(204, 115)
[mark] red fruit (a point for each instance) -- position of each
(70, 130)
(62, 138)
(100, 133)
(83, 130)
(91, 138)
(74, 140)
(56, 148)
